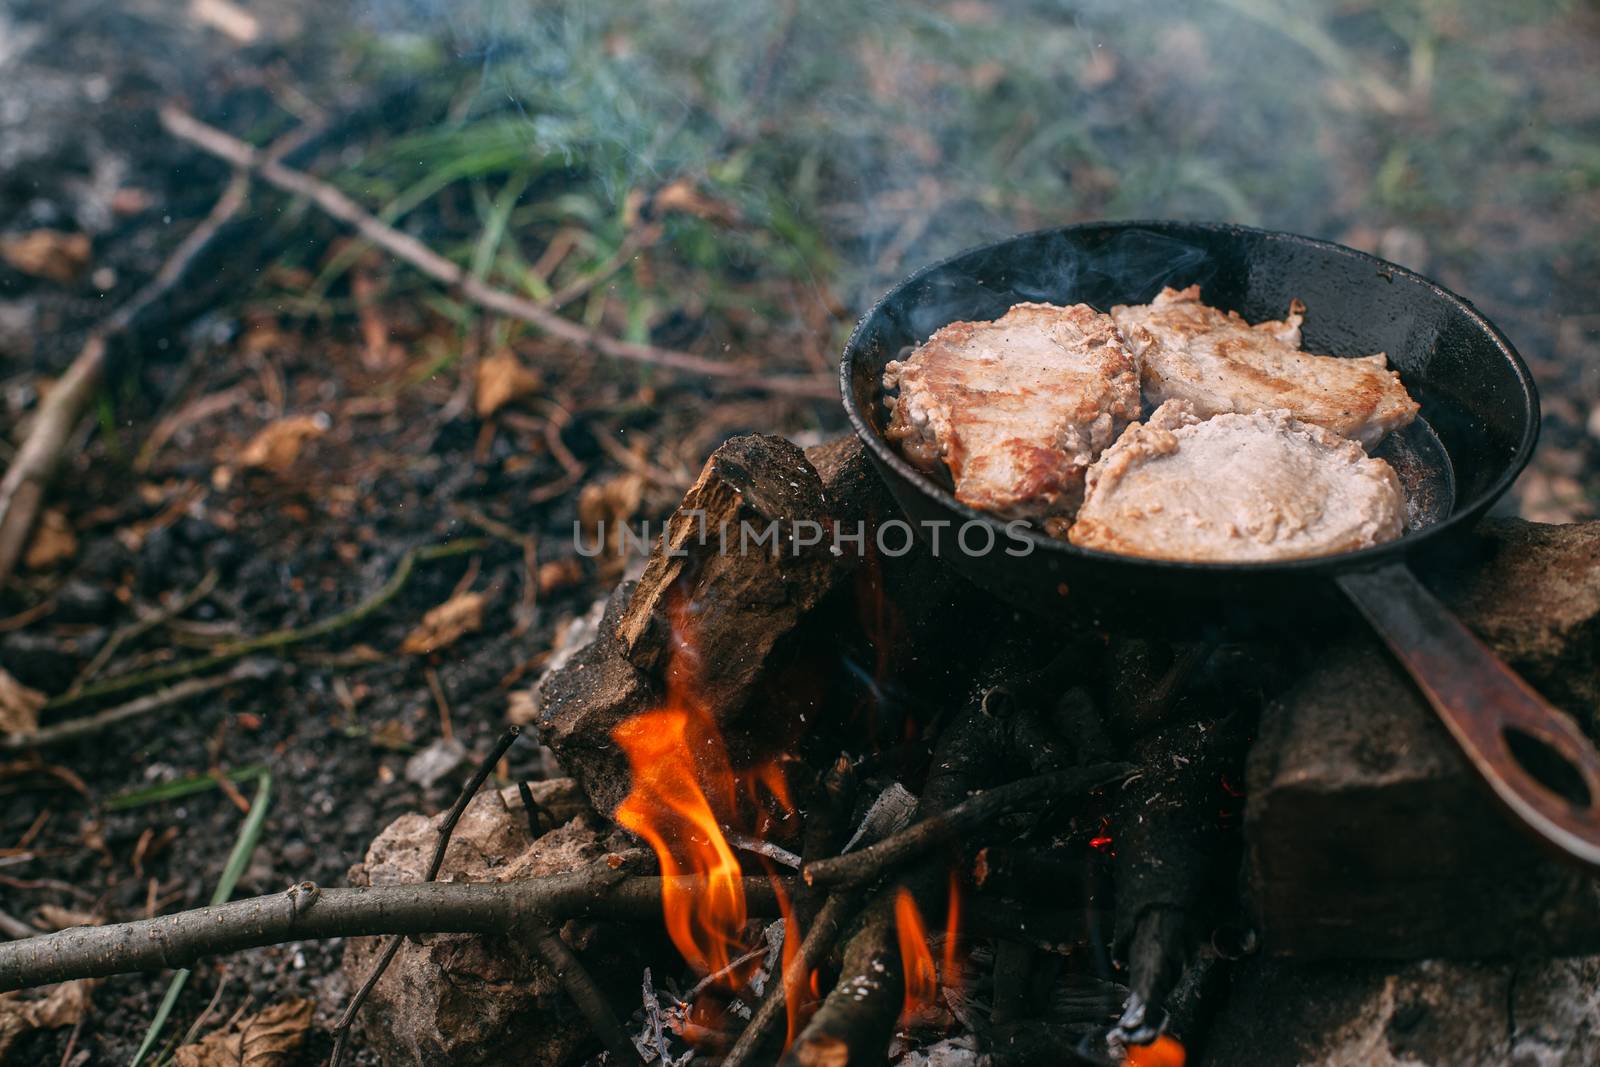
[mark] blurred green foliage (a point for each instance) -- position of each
(854, 138)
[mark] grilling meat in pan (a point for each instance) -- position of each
(1016, 408)
(1252, 487)
(1218, 362)
(1255, 453)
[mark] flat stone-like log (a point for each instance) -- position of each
(1369, 835)
(1285, 1013)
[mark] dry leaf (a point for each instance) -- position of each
(558, 574)
(522, 709)
(683, 196)
(501, 379)
(612, 501)
(226, 18)
(63, 1006)
(609, 506)
(19, 706)
(278, 444)
(444, 625)
(393, 735)
(269, 1038)
(53, 542)
(51, 254)
(55, 917)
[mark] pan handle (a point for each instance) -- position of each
(1501, 724)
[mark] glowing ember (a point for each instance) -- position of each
(1101, 842)
(1164, 1051)
(915, 959)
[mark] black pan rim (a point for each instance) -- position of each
(1377, 555)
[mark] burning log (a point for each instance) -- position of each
(1173, 863)
(746, 556)
(743, 600)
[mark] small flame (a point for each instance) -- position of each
(668, 808)
(951, 959)
(915, 959)
(1164, 1051)
(794, 983)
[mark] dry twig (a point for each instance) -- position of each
(857, 868)
(403, 246)
(306, 912)
(23, 488)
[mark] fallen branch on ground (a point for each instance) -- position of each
(278, 638)
(22, 490)
(857, 868)
(87, 725)
(306, 912)
(403, 246)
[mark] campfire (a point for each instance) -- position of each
(546, 634)
(878, 842)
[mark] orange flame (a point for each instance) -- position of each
(668, 808)
(915, 959)
(951, 959)
(684, 790)
(1164, 1051)
(794, 983)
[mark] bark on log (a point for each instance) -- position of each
(716, 574)
(742, 563)
(587, 697)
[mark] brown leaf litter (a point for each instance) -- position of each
(269, 1038)
(444, 625)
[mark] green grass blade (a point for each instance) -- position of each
(181, 787)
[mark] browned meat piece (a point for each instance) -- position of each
(1016, 408)
(1236, 488)
(1220, 363)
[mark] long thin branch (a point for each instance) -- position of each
(570, 972)
(818, 940)
(856, 868)
(403, 246)
(305, 912)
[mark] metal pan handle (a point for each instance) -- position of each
(1535, 758)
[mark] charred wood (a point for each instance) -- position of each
(1174, 864)
(874, 861)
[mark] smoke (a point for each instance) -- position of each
(861, 140)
